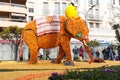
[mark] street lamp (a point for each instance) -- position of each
(89, 10)
(86, 13)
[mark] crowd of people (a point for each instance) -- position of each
(108, 53)
(78, 53)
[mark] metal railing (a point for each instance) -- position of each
(12, 20)
(12, 4)
(95, 17)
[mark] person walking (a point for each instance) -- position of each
(97, 54)
(92, 51)
(104, 52)
(47, 54)
(111, 56)
(118, 51)
(107, 53)
(40, 55)
(81, 53)
(75, 52)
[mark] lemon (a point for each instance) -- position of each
(71, 11)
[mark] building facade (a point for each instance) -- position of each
(12, 12)
(100, 16)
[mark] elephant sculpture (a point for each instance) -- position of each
(69, 28)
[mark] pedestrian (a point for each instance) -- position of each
(81, 53)
(107, 53)
(75, 52)
(47, 54)
(40, 55)
(97, 54)
(104, 52)
(111, 56)
(118, 51)
(92, 51)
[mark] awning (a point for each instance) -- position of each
(4, 41)
(16, 14)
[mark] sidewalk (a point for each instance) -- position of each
(11, 70)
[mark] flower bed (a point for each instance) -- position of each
(102, 73)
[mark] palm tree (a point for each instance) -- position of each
(116, 28)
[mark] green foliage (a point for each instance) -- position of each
(115, 26)
(10, 32)
(93, 43)
(102, 73)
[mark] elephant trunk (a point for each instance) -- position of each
(88, 51)
(85, 43)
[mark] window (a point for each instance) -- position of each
(97, 13)
(111, 15)
(63, 7)
(110, 2)
(31, 7)
(17, 18)
(90, 14)
(97, 25)
(91, 2)
(91, 25)
(114, 2)
(57, 8)
(31, 10)
(119, 2)
(96, 2)
(45, 8)
(30, 18)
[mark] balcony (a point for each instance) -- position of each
(116, 6)
(4, 22)
(94, 17)
(11, 7)
(117, 15)
(102, 32)
(14, 1)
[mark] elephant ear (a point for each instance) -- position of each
(77, 27)
(71, 26)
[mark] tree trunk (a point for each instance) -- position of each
(16, 43)
(117, 34)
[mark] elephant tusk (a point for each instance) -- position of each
(85, 43)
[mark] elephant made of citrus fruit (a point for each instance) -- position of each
(51, 31)
(67, 28)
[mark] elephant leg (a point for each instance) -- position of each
(31, 41)
(60, 55)
(65, 44)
